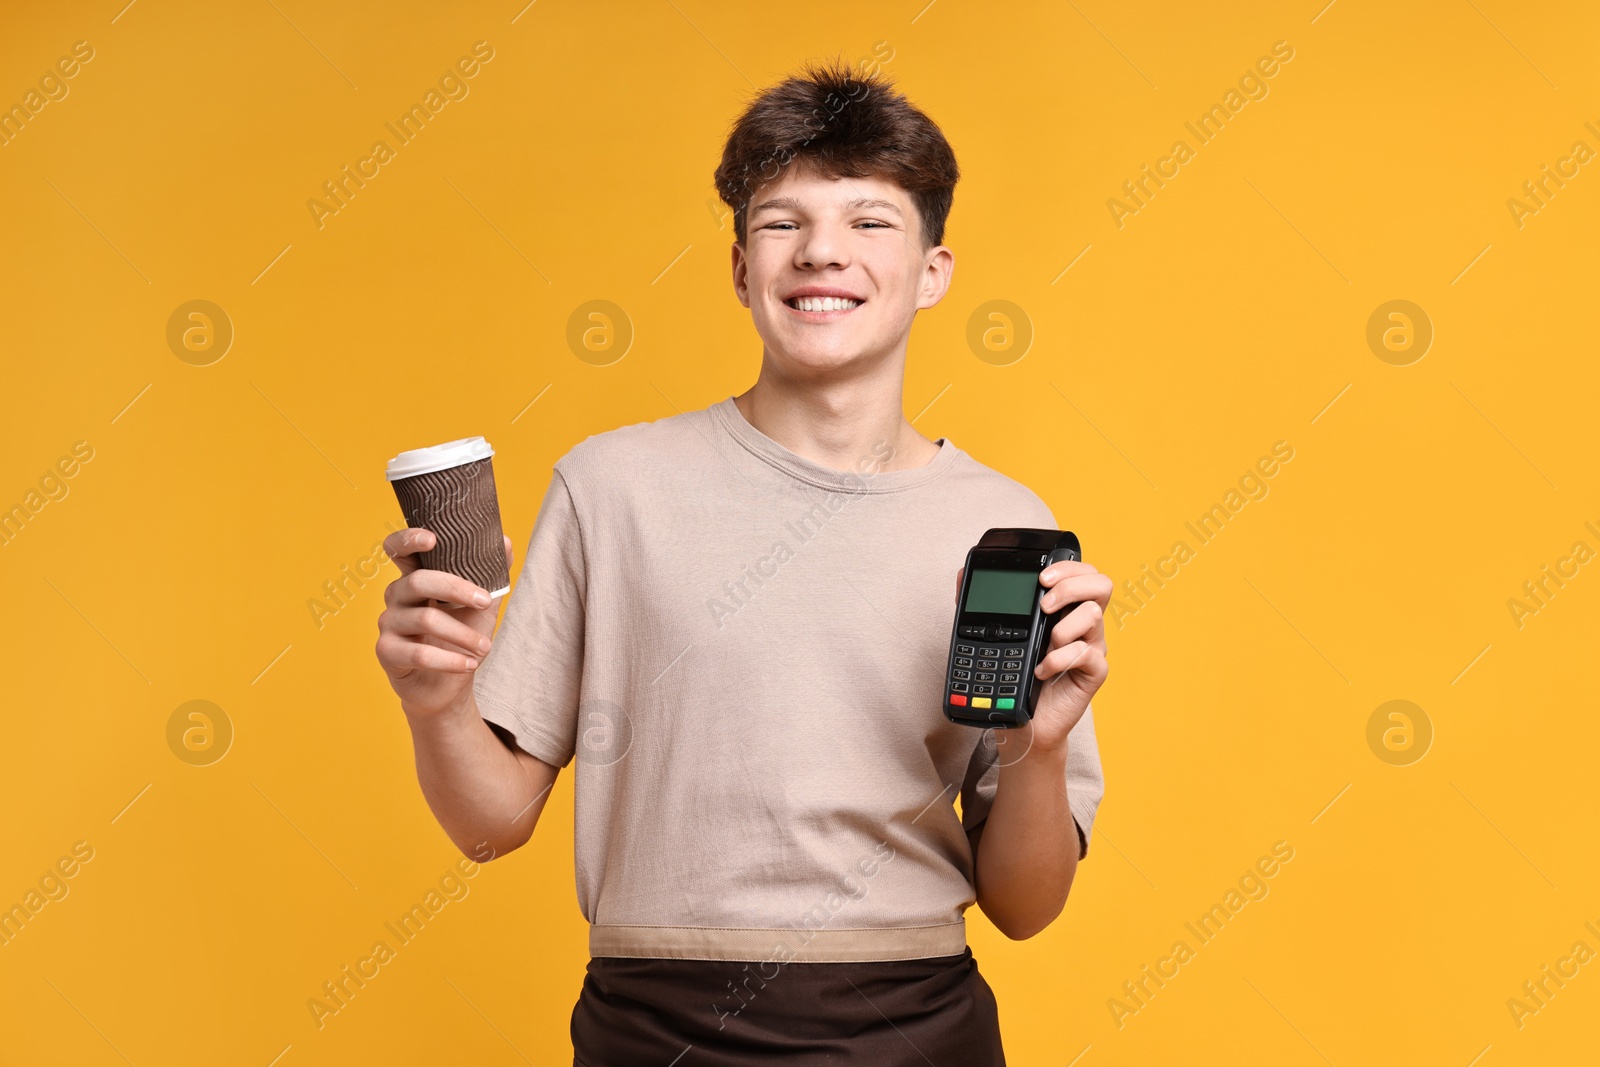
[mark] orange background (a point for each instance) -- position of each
(1229, 313)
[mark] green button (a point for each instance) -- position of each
(1005, 703)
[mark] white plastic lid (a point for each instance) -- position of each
(438, 457)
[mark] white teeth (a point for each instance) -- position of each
(824, 303)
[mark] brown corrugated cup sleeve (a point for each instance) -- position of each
(460, 506)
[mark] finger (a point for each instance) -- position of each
(400, 656)
(403, 545)
(1066, 568)
(436, 623)
(1086, 663)
(960, 574)
(510, 556)
(1086, 622)
(1077, 589)
(433, 658)
(424, 585)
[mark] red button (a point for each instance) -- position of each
(958, 699)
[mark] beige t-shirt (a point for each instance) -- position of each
(745, 652)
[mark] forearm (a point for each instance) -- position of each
(1028, 846)
(485, 797)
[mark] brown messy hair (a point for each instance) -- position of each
(841, 126)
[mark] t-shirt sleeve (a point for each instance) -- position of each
(1084, 785)
(527, 686)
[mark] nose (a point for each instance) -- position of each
(820, 247)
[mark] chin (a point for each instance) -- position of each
(820, 358)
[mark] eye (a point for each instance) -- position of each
(771, 225)
(875, 222)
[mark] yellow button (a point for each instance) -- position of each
(980, 702)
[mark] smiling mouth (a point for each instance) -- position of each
(822, 308)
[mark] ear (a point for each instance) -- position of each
(939, 265)
(741, 275)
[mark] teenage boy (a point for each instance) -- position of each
(736, 619)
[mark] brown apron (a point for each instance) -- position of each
(711, 1013)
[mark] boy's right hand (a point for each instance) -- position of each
(435, 628)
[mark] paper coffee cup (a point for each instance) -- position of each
(449, 489)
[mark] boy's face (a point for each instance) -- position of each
(855, 237)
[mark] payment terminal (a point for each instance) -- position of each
(1000, 633)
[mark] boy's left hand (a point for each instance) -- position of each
(1075, 666)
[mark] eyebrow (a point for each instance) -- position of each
(789, 203)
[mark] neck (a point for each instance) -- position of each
(837, 424)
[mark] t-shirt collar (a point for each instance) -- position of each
(865, 478)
